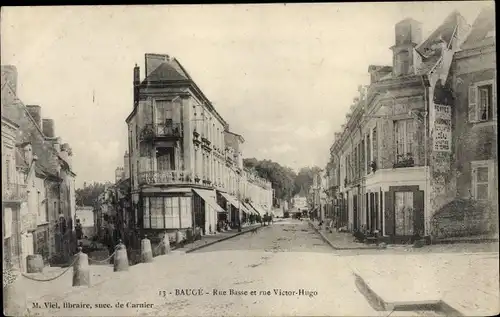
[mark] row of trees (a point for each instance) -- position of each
(285, 181)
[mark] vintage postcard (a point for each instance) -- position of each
(320, 159)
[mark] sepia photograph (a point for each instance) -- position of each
(277, 159)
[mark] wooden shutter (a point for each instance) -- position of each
(472, 103)
(389, 213)
(418, 211)
(494, 105)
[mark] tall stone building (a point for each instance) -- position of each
(185, 164)
(45, 216)
(466, 201)
(391, 153)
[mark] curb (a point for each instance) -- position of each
(380, 304)
(339, 248)
(220, 240)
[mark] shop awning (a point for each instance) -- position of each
(250, 209)
(259, 208)
(253, 209)
(209, 198)
(233, 201)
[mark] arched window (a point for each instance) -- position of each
(403, 60)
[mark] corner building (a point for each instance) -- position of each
(185, 164)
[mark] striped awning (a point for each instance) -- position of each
(259, 208)
(234, 201)
(250, 209)
(209, 198)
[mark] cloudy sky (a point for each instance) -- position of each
(283, 76)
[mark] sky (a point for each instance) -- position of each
(283, 76)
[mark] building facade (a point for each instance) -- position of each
(42, 166)
(390, 154)
(185, 164)
(468, 204)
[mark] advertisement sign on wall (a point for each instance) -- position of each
(442, 128)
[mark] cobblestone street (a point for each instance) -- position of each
(277, 260)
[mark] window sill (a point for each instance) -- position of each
(481, 124)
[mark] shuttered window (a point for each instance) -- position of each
(482, 102)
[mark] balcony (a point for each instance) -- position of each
(14, 192)
(168, 130)
(166, 177)
(404, 160)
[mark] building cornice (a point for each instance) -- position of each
(474, 51)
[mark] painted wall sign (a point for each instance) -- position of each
(441, 128)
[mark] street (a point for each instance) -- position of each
(282, 269)
(284, 257)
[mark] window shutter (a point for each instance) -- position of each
(494, 106)
(472, 103)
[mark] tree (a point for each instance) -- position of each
(304, 180)
(282, 178)
(88, 195)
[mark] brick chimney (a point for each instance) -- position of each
(9, 74)
(48, 128)
(36, 113)
(137, 82)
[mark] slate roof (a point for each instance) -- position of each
(168, 71)
(443, 32)
(29, 132)
(484, 23)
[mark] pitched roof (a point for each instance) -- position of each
(29, 131)
(484, 23)
(444, 32)
(168, 71)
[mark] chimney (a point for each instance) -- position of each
(9, 74)
(66, 154)
(153, 61)
(57, 145)
(48, 128)
(36, 113)
(137, 81)
(126, 165)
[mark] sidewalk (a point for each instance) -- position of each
(210, 239)
(455, 284)
(340, 240)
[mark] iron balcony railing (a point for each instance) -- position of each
(166, 177)
(155, 130)
(14, 192)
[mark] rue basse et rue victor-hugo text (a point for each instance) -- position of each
(238, 292)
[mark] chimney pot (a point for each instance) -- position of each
(48, 128)
(36, 113)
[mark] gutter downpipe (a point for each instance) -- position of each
(427, 170)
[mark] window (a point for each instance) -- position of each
(404, 131)
(163, 111)
(368, 153)
(147, 220)
(156, 211)
(186, 217)
(482, 177)
(482, 102)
